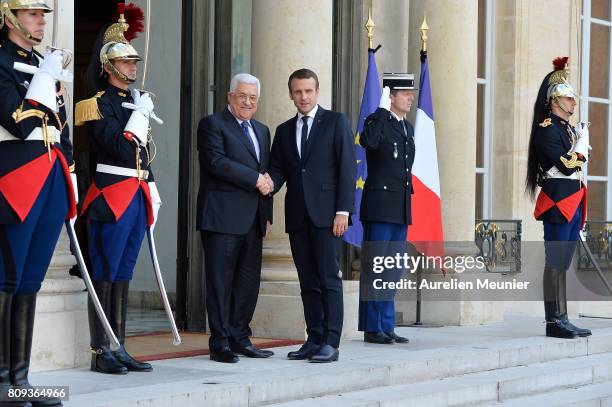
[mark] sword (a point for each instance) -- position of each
(114, 343)
(162, 289)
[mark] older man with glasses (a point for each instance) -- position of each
(234, 214)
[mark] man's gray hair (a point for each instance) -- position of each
(244, 78)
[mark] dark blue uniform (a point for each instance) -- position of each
(35, 189)
(36, 197)
(385, 204)
(561, 204)
(117, 207)
(118, 210)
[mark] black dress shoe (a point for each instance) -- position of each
(325, 354)
(103, 361)
(129, 362)
(396, 338)
(306, 351)
(224, 355)
(376, 337)
(579, 331)
(251, 351)
(557, 329)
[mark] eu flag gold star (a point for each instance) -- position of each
(360, 183)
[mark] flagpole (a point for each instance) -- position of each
(419, 272)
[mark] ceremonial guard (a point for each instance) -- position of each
(557, 152)
(122, 201)
(388, 139)
(36, 190)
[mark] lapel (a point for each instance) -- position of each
(258, 134)
(317, 124)
(233, 123)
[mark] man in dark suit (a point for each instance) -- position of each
(313, 152)
(388, 139)
(234, 213)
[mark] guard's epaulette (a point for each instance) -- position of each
(547, 122)
(87, 110)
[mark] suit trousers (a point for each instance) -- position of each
(316, 255)
(379, 315)
(233, 273)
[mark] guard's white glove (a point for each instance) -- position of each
(75, 188)
(582, 144)
(144, 104)
(155, 201)
(385, 99)
(138, 124)
(42, 88)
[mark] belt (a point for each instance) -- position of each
(35, 135)
(555, 173)
(126, 172)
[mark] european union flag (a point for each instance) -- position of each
(369, 103)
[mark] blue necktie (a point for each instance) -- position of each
(304, 138)
(245, 130)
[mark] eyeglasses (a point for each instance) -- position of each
(243, 97)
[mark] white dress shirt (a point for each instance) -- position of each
(300, 123)
(251, 132)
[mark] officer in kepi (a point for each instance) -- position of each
(122, 200)
(388, 139)
(36, 189)
(557, 152)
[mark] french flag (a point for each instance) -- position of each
(426, 228)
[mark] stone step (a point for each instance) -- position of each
(594, 395)
(194, 381)
(503, 387)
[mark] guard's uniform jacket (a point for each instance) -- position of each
(25, 160)
(562, 187)
(390, 155)
(113, 151)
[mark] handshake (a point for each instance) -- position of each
(264, 184)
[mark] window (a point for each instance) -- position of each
(595, 103)
(483, 127)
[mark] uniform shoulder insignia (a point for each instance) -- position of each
(87, 110)
(547, 122)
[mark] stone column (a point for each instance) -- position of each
(286, 36)
(61, 335)
(452, 52)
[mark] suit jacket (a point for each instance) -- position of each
(324, 182)
(228, 201)
(553, 148)
(390, 155)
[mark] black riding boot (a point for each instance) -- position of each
(23, 312)
(6, 300)
(102, 359)
(563, 295)
(119, 301)
(554, 304)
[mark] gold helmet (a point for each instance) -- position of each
(115, 45)
(558, 86)
(8, 6)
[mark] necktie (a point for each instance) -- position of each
(405, 129)
(304, 137)
(245, 130)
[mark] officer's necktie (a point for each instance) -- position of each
(304, 137)
(405, 129)
(245, 130)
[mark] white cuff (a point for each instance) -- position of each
(345, 213)
(138, 125)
